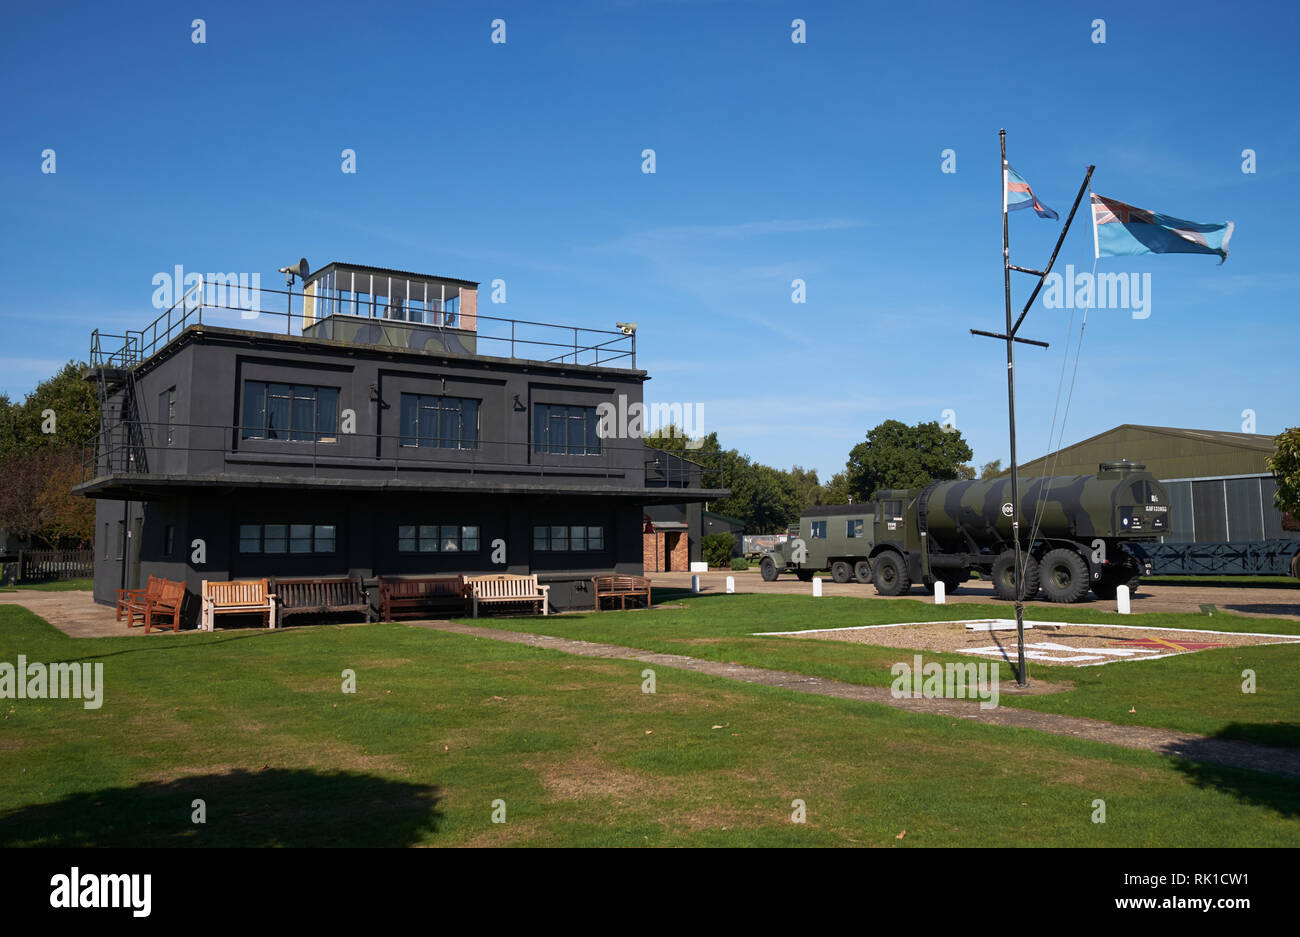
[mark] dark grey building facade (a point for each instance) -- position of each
(360, 435)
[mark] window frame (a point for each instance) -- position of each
(287, 539)
(544, 417)
(545, 538)
(437, 539)
(313, 433)
(418, 440)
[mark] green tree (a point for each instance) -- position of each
(836, 491)
(1285, 466)
(896, 455)
(991, 469)
(41, 442)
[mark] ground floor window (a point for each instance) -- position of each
(568, 539)
(437, 538)
(287, 538)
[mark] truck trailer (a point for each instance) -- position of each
(1073, 531)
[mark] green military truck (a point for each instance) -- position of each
(829, 537)
(947, 529)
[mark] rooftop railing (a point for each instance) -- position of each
(253, 308)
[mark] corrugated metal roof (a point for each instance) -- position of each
(1167, 452)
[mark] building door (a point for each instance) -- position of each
(670, 544)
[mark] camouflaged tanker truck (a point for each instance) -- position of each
(835, 537)
(947, 529)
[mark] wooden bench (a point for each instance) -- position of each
(504, 588)
(171, 596)
(319, 597)
(161, 597)
(621, 587)
(241, 597)
(127, 597)
(421, 596)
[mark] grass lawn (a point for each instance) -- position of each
(442, 725)
(65, 585)
(1198, 692)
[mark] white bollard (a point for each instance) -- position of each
(817, 585)
(1121, 599)
(939, 597)
(695, 583)
(731, 585)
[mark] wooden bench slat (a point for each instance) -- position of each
(622, 587)
(238, 597)
(504, 587)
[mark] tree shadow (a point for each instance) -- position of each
(267, 808)
(1252, 774)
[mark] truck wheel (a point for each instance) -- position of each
(890, 574)
(1064, 575)
(862, 572)
(1004, 576)
(841, 571)
(768, 569)
(805, 575)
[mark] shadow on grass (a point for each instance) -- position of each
(272, 807)
(1248, 779)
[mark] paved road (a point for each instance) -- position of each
(1280, 601)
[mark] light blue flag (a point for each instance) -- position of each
(1120, 230)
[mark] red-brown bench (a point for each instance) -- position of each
(166, 599)
(621, 588)
(420, 595)
(126, 597)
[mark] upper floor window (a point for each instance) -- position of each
(565, 430)
(295, 412)
(439, 422)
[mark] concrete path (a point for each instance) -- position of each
(1191, 747)
(73, 613)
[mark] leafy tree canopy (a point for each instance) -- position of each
(896, 455)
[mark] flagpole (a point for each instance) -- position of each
(1022, 677)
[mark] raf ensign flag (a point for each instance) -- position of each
(1119, 230)
(1017, 194)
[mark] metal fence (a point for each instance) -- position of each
(275, 311)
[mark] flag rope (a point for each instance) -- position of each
(1041, 504)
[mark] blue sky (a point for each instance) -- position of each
(775, 161)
